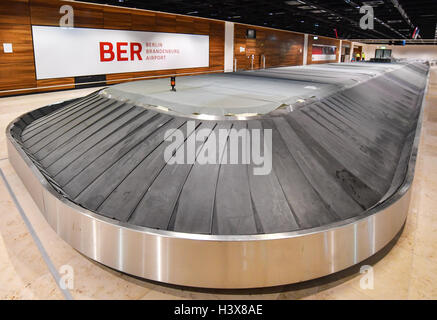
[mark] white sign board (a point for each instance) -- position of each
(324, 57)
(322, 52)
(70, 52)
(7, 48)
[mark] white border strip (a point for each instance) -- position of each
(35, 237)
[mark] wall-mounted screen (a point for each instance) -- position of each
(71, 52)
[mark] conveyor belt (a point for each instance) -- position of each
(333, 159)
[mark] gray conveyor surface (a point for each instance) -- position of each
(333, 158)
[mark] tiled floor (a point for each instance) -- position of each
(407, 269)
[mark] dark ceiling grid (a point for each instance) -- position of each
(309, 16)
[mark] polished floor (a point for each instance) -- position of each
(407, 271)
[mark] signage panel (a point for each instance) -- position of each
(71, 52)
(324, 53)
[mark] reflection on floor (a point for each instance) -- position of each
(407, 271)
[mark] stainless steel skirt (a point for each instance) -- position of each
(217, 261)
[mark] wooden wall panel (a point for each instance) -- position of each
(346, 51)
(280, 48)
(46, 13)
(203, 26)
(21, 39)
(165, 22)
(14, 12)
(88, 17)
(55, 84)
(114, 18)
(216, 45)
(321, 40)
(17, 75)
(17, 69)
(349, 43)
(143, 21)
(185, 24)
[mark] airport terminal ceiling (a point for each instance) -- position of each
(395, 19)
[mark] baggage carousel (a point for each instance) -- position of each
(343, 151)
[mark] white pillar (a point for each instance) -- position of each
(229, 46)
(305, 50)
(352, 51)
(340, 50)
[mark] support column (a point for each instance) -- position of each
(229, 46)
(340, 50)
(305, 50)
(352, 51)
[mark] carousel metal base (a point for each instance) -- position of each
(339, 190)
